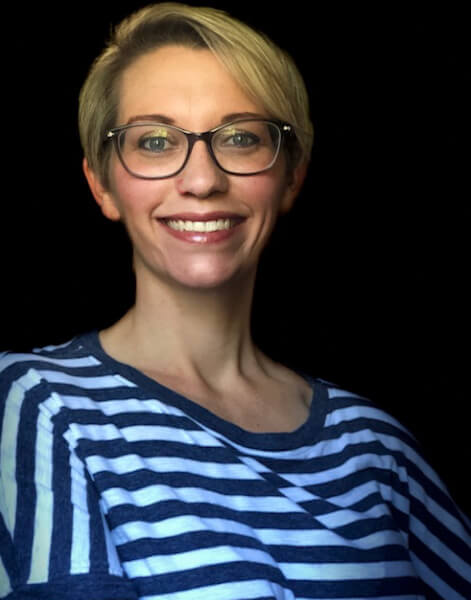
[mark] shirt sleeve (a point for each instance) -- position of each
(54, 540)
(438, 533)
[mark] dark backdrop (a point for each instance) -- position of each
(365, 283)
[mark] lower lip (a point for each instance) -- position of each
(200, 237)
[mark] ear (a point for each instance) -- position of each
(102, 195)
(295, 183)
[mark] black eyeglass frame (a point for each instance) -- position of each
(285, 130)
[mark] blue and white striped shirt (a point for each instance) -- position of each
(114, 487)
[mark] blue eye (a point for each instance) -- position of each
(244, 139)
(241, 139)
(153, 144)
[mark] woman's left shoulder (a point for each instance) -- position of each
(353, 411)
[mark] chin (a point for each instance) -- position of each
(207, 275)
(206, 280)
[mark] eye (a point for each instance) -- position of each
(155, 140)
(237, 138)
(154, 143)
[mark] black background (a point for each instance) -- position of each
(365, 283)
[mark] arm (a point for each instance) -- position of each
(439, 536)
(54, 540)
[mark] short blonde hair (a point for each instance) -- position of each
(266, 73)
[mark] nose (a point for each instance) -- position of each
(201, 176)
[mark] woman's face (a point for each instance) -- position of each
(191, 89)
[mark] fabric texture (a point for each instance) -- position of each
(114, 487)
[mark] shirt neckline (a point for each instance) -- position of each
(304, 435)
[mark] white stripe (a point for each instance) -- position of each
(333, 392)
(5, 587)
(9, 440)
(174, 526)
(161, 493)
(351, 413)
(113, 559)
(234, 590)
(17, 358)
(53, 347)
(348, 571)
(118, 407)
(137, 433)
(80, 554)
(193, 559)
(339, 518)
(88, 383)
(8, 448)
(322, 537)
(355, 464)
(437, 584)
(44, 509)
(129, 463)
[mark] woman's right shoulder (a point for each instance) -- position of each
(18, 365)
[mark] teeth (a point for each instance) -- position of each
(201, 226)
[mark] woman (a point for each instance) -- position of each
(167, 456)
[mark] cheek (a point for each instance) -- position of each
(133, 196)
(264, 193)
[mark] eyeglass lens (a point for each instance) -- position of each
(159, 150)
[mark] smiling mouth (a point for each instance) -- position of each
(202, 226)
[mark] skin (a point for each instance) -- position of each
(190, 326)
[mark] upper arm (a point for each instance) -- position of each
(54, 540)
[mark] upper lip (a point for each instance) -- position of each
(211, 216)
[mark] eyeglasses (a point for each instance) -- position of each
(158, 150)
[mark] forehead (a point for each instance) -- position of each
(185, 84)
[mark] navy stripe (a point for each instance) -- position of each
(61, 545)
(25, 476)
(335, 509)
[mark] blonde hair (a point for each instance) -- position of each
(266, 73)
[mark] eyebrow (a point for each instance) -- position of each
(158, 118)
(153, 117)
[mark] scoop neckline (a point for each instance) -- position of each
(148, 387)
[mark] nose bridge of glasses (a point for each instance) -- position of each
(206, 137)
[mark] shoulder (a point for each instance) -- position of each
(358, 425)
(348, 409)
(48, 363)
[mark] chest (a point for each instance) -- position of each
(185, 510)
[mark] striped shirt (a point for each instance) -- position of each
(114, 487)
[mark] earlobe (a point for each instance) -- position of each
(293, 187)
(101, 194)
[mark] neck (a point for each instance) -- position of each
(203, 334)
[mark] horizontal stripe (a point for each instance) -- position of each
(158, 565)
(356, 463)
(131, 478)
(160, 493)
(104, 381)
(168, 464)
(237, 590)
(349, 572)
